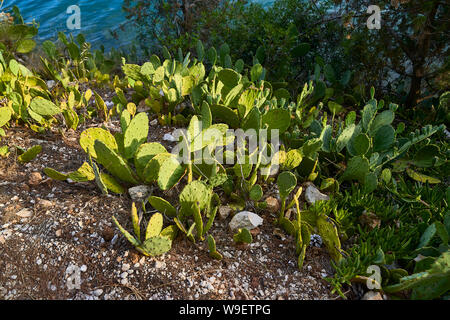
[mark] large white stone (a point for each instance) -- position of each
(312, 195)
(245, 219)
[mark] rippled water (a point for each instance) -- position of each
(98, 19)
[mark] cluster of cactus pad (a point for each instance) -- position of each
(157, 240)
(126, 156)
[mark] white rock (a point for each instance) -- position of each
(154, 122)
(25, 213)
(372, 295)
(312, 195)
(245, 219)
(169, 137)
(139, 193)
(83, 268)
(50, 84)
(97, 292)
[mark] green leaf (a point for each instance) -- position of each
(383, 119)
(5, 116)
(127, 235)
(421, 177)
(427, 236)
(229, 77)
(83, 173)
(135, 135)
(361, 144)
(384, 138)
(277, 119)
(256, 192)
(292, 160)
(344, 138)
(195, 192)
(256, 72)
(225, 114)
(44, 107)
(162, 206)
(89, 136)
(154, 226)
(30, 154)
(25, 45)
(286, 182)
(330, 236)
(55, 175)
(206, 116)
(357, 168)
(425, 157)
(111, 184)
(114, 163)
(243, 236)
(171, 171)
(156, 246)
(145, 153)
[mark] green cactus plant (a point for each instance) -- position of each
(243, 236)
(30, 154)
(212, 248)
(157, 240)
(286, 182)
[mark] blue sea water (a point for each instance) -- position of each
(98, 19)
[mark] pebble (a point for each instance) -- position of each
(245, 219)
(273, 205)
(25, 213)
(224, 212)
(34, 179)
(98, 292)
(312, 194)
(45, 204)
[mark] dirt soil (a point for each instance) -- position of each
(53, 233)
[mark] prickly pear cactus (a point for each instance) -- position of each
(30, 154)
(154, 226)
(114, 163)
(162, 205)
(145, 153)
(89, 136)
(44, 107)
(243, 236)
(156, 246)
(135, 135)
(212, 248)
(196, 192)
(286, 182)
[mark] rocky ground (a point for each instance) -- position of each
(57, 241)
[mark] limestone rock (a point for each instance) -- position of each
(245, 219)
(312, 194)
